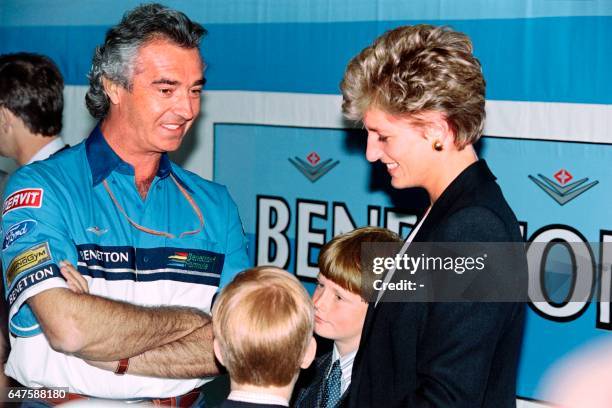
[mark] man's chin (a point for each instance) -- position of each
(171, 144)
(171, 148)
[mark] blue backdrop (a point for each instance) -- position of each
(272, 119)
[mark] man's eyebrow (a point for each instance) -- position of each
(165, 81)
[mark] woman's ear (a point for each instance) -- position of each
(438, 131)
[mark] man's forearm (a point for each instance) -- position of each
(95, 328)
(189, 357)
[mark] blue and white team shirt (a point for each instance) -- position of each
(60, 209)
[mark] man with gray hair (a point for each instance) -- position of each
(153, 241)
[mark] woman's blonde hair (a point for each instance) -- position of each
(414, 69)
(263, 321)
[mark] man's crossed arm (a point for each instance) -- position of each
(170, 342)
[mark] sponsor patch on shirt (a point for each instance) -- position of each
(28, 259)
(17, 231)
(30, 279)
(25, 198)
(195, 260)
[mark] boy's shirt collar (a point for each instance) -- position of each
(258, 398)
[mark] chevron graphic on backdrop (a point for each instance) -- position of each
(313, 168)
(562, 193)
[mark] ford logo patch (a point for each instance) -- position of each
(17, 231)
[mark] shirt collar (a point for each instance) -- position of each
(257, 398)
(344, 360)
(103, 160)
(47, 150)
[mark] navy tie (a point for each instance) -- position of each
(331, 387)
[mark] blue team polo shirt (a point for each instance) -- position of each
(59, 209)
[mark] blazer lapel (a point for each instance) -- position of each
(344, 397)
(322, 369)
(356, 373)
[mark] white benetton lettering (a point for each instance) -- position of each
(104, 256)
(28, 281)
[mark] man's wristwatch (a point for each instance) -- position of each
(122, 366)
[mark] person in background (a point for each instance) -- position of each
(153, 241)
(31, 106)
(420, 93)
(263, 326)
(340, 312)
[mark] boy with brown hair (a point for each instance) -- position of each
(263, 327)
(340, 312)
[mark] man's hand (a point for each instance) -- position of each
(76, 282)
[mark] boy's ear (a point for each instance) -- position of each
(217, 350)
(310, 353)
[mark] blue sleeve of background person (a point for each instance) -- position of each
(236, 258)
(34, 241)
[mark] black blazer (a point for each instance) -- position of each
(447, 354)
(311, 395)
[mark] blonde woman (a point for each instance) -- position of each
(420, 94)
